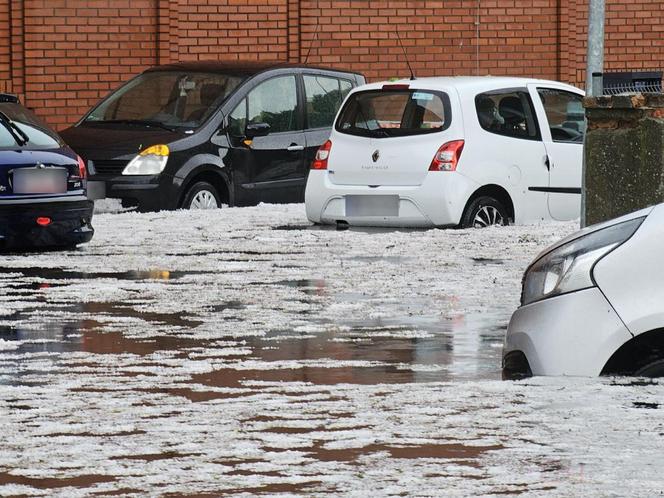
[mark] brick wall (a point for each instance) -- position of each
(61, 56)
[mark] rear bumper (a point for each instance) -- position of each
(438, 201)
(572, 334)
(71, 223)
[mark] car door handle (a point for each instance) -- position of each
(547, 162)
(295, 148)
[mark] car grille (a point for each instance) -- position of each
(108, 168)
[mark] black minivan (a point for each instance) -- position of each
(206, 134)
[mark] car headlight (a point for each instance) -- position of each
(150, 161)
(569, 267)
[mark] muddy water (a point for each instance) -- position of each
(237, 359)
(408, 344)
(255, 369)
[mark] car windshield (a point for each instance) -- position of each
(19, 127)
(166, 99)
(393, 113)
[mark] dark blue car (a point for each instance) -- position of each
(43, 201)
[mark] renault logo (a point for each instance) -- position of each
(375, 155)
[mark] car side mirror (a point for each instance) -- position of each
(253, 130)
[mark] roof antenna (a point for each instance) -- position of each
(412, 74)
(315, 39)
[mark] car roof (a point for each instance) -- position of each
(240, 68)
(469, 83)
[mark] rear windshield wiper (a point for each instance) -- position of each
(139, 122)
(19, 135)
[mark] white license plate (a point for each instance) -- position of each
(372, 205)
(39, 181)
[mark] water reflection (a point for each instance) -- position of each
(409, 340)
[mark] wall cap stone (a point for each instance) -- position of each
(641, 101)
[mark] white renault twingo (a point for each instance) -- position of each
(458, 151)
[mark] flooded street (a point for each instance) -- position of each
(242, 352)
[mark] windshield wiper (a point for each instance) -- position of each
(139, 122)
(19, 135)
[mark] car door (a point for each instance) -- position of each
(323, 95)
(271, 167)
(505, 148)
(563, 127)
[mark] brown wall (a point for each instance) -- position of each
(61, 56)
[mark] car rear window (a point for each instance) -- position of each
(394, 113)
(32, 129)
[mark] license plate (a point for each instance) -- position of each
(372, 205)
(39, 181)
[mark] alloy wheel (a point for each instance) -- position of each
(487, 216)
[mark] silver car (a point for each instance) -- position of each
(593, 304)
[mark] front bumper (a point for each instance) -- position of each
(71, 223)
(148, 192)
(573, 334)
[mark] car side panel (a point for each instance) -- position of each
(631, 276)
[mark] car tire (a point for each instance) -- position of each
(652, 369)
(201, 195)
(483, 212)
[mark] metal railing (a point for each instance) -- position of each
(635, 87)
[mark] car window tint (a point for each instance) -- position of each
(387, 113)
(275, 102)
(565, 114)
(323, 98)
(508, 113)
(237, 120)
(172, 98)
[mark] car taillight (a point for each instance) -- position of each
(323, 154)
(82, 171)
(447, 157)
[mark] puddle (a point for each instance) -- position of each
(648, 406)
(62, 274)
(488, 261)
(82, 481)
(361, 375)
(313, 287)
(345, 227)
(448, 451)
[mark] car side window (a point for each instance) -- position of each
(324, 95)
(275, 102)
(565, 114)
(237, 120)
(508, 113)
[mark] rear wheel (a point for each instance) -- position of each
(652, 369)
(483, 212)
(201, 195)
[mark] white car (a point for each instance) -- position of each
(593, 304)
(468, 151)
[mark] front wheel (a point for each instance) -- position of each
(201, 195)
(484, 212)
